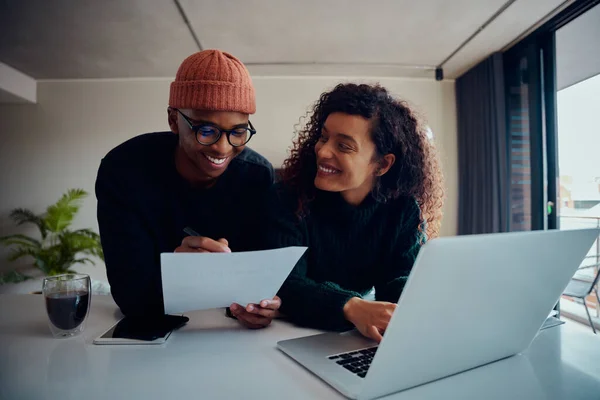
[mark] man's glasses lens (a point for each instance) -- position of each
(209, 134)
(239, 136)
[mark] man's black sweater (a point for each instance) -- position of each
(144, 204)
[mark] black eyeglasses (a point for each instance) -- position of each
(208, 133)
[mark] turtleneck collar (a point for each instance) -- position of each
(332, 204)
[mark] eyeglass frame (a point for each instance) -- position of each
(196, 129)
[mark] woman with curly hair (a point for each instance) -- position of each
(363, 190)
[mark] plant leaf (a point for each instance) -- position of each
(83, 241)
(22, 216)
(19, 252)
(60, 215)
(41, 264)
(48, 259)
(59, 248)
(96, 249)
(20, 240)
(13, 277)
(84, 260)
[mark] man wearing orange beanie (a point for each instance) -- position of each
(201, 175)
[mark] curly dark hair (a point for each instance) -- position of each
(395, 129)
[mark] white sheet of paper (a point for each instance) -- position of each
(198, 281)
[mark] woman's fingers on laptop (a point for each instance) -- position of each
(373, 333)
(371, 318)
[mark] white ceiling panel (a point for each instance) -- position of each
(421, 32)
(66, 39)
(508, 26)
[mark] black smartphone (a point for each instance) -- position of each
(153, 330)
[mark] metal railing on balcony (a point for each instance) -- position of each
(591, 263)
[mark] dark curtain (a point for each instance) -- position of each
(482, 149)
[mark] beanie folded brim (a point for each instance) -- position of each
(212, 96)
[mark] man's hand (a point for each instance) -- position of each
(256, 316)
(203, 244)
(371, 318)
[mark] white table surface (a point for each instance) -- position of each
(214, 358)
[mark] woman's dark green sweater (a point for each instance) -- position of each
(351, 249)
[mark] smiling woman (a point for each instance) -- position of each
(345, 157)
(363, 190)
(380, 127)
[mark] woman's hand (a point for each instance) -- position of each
(371, 318)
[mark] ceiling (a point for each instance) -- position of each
(67, 39)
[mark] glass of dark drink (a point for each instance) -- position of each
(68, 300)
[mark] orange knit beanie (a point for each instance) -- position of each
(213, 80)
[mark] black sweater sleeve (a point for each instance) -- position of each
(304, 300)
(406, 242)
(130, 251)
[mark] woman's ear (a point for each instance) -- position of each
(172, 119)
(385, 164)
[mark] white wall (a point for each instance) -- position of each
(57, 144)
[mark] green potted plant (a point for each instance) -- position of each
(58, 248)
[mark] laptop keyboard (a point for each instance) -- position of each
(357, 362)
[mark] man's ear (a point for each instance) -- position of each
(385, 164)
(172, 119)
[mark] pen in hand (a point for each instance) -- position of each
(204, 244)
(190, 231)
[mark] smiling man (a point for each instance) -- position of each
(199, 175)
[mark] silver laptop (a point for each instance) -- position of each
(469, 301)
